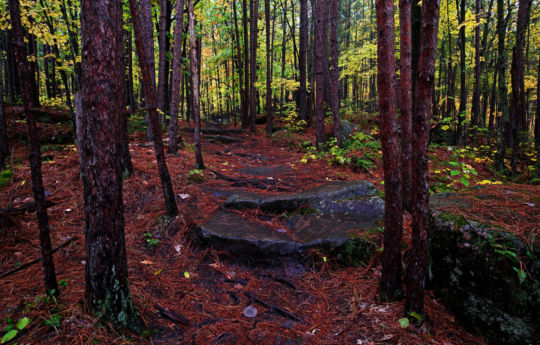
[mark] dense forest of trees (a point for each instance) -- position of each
(467, 71)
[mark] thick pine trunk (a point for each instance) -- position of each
(391, 260)
(35, 156)
(195, 86)
(303, 111)
(147, 67)
(4, 147)
(405, 100)
(177, 77)
(417, 260)
(320, 47)
(334, 70)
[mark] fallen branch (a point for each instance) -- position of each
(177, 318)
(28, 207)
(28, 264)
(273, 308)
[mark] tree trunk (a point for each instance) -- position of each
(195, 86)
(269, 116)
(147, 35)
(177, 78)
(476, 95)
(147, 66)
(107, 287)
(162, 70)
(245, 111)
(463, 86)
(334, 71)
(416, 265)
(503, 100)
(4, 147)
(518, 109)
(254, 18)
(302, 60)
(393, 219)
(35, 156)
(405, 100)
(320, 47)
(239, 63)
(537, 122)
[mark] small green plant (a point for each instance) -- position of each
(151, 241)
(5, 177)
(196, 175)
(54, 321)
(292, 122)
(13, 329)
(452, 174)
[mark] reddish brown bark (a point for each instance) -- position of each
(4, 147)
(147, 30)
(239, 64)
(35, 155)
(417, 260)
(320, 40)
(107, 287)
(393, 219)
(334, 70)
(147, 67)
(177, 77)
(195, 86)
(254, 18)
(245, 110)
(302, 109)
(475, 111)
(162, 64)
(269, 116)
(405, 100)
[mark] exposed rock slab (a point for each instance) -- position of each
(489, 278)
(317, 197)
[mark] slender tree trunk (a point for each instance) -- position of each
(254, 18)
(537, 122)
(147, 33)
(416, 265)
(245, 111)
(35, 157)
(416, 23)
(283, 51)
(195, 86)
(320, 41)
(405, 100)
(518, 110)
(476, 95)
(147, 66)
(239, 63)
(107, 286)
(302, 60)
(4, 147)
(334, 71)
(463, 85)
(503, 100)
(131, 94)
(269, 115)
(177, 78)
(162, 74)
(393, 219)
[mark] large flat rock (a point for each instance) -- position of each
(317, 197)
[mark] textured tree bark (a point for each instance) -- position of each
(239, 63)
(162, 71)
(320, 48)
(405, 100)
(476, 95)
(147, 67)
(460, 131)
(131, 95)
(269, 116)
(334, 70)
(4, 147)
(503, 97)
(518, 108)
(147, 29)
(283, 51)
(302, 60)
(416, 19)
(195, 86)
(393, 219)
(35, 156)
(416, 265)
(254, 19)
(107, 288)
(247, 92)
(177, 78)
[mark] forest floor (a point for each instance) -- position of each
(169, 269)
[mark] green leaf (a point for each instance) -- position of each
(455, 172)
(445, 127)
(404, 322)
(473, 171)
(9, 335)
(453, 163)
(464, 181)
(22, 323)
(417, 316)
